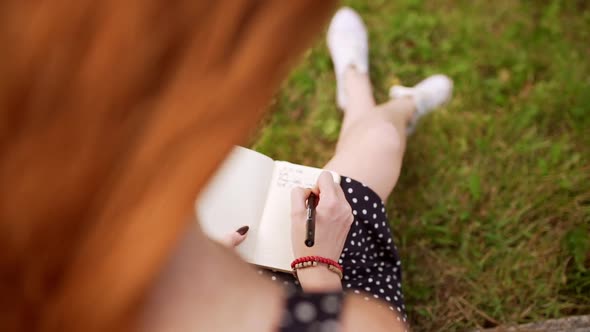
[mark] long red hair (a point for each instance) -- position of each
(112, 116)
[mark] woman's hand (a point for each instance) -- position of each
(332, 223)
(234, 239)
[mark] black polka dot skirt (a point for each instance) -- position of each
(372, 267)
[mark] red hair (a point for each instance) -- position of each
(112, 116)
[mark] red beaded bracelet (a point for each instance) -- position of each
(308, 261)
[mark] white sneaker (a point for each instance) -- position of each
(349, 46)
(428, 95)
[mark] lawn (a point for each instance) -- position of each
(492, 211)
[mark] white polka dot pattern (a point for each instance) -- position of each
(305, 312)
(313, 312)
(330, 304)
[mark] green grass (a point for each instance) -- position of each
(492, 211)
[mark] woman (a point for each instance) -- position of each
(351, 224)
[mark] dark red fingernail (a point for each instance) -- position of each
(243, 230)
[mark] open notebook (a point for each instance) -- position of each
(252, 189)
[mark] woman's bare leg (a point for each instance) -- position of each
(373, 138)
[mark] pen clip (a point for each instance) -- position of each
(310, 222)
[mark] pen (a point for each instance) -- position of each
(310, 222)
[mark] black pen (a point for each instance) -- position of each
(310, 222)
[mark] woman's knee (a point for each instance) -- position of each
(384, 136)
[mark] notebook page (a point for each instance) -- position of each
(274, 233)
(235, 197)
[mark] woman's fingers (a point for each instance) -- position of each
(234, 239)
(326, 184)
(333, 216)
(298, 200)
